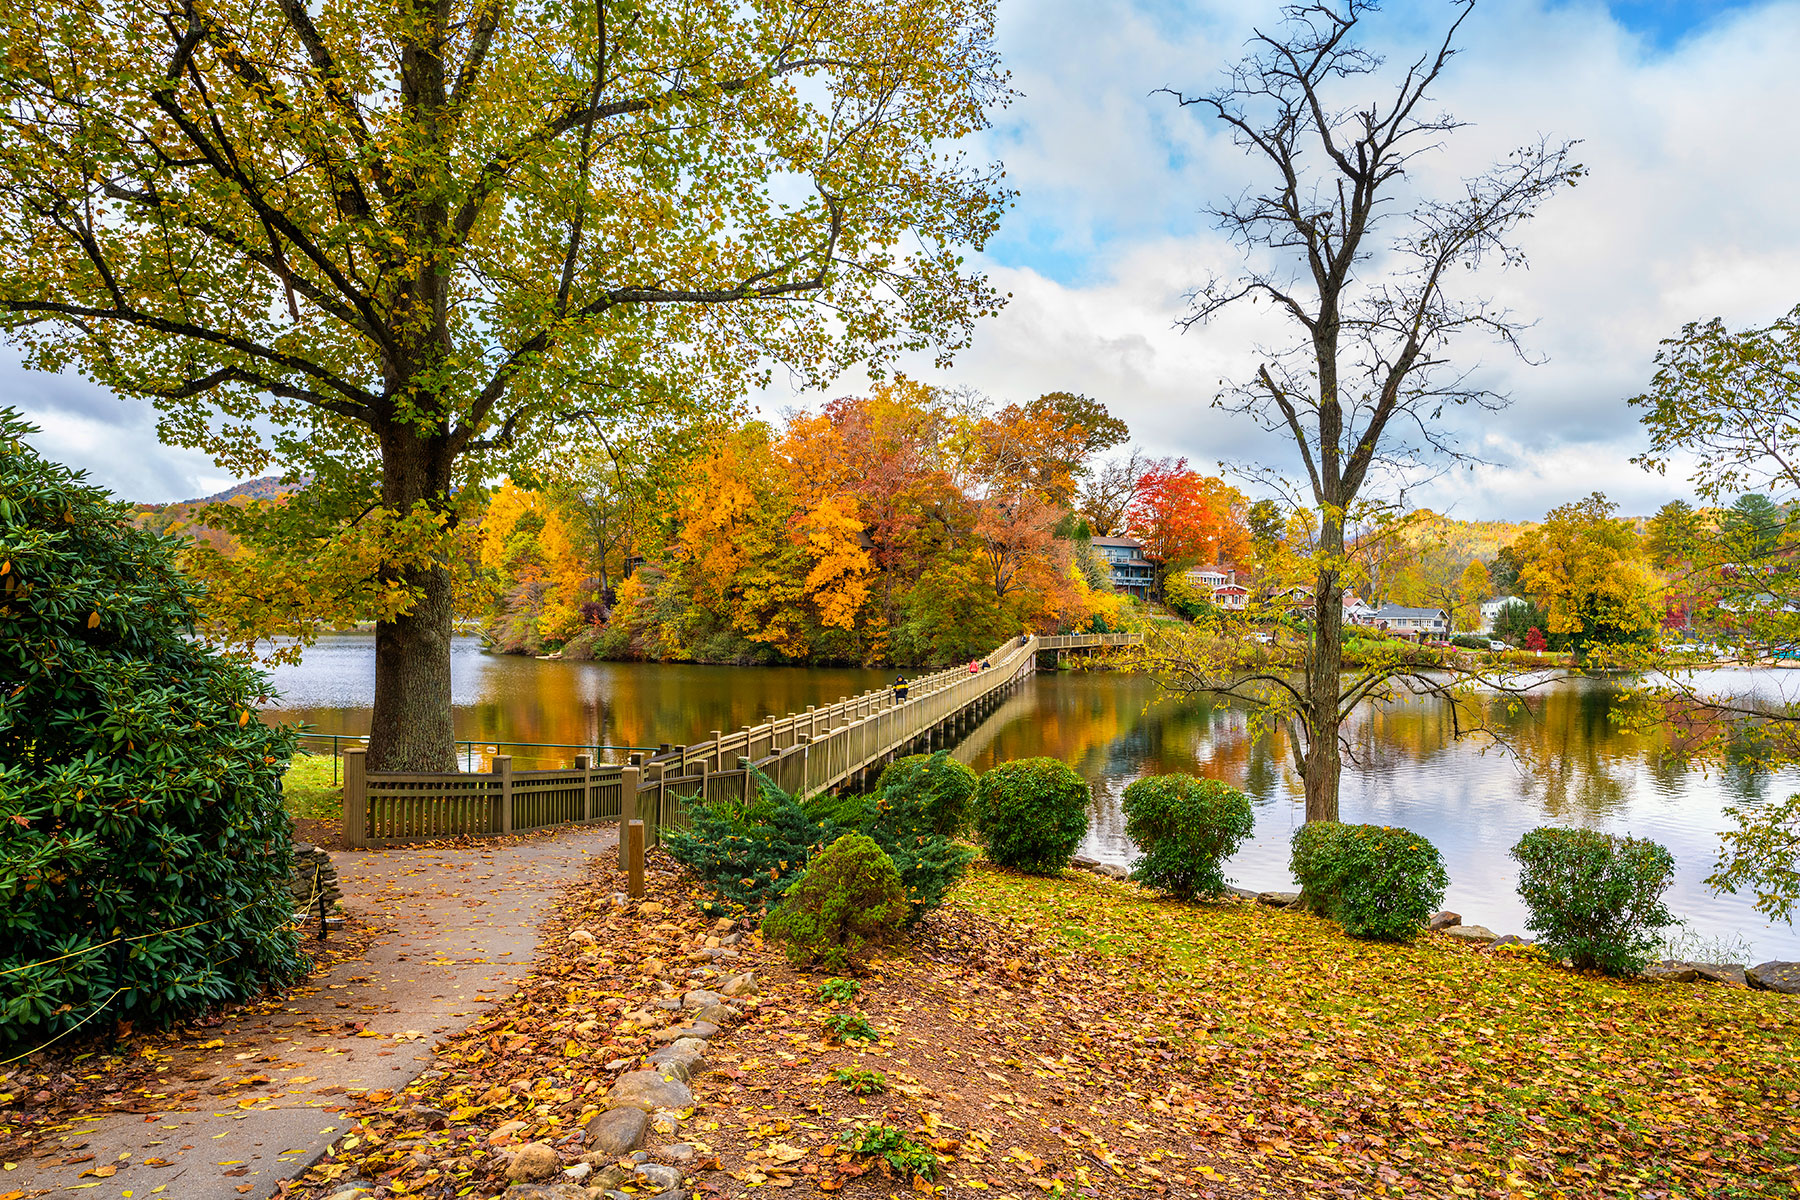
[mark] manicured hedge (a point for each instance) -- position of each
(1032, 813)
(1186, 827)
(1595, 898)
(1377, 881)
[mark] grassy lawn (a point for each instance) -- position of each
(1437, 1067)
(308, 791)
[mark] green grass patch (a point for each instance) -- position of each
(1461, 1069)
(307, 790)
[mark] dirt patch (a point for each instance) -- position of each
(325, 832)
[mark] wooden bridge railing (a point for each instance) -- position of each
(1089, 641)
(804, 753)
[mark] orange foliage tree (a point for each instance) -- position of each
(1186, 519)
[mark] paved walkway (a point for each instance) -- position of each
(454, 929)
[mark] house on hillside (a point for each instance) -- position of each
(1490, 610)
(1232, 597)
(1132, 573)
(1358, 611)
(1412, 622)
(1213, 578)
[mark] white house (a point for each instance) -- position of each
(1490, 610)
(1414, 622)
(1212, 577)
(1358, 611)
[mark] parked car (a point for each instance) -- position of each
(1497, 644)
(1263, 639)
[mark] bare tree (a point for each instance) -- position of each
(1110, 490)
(1360, 266)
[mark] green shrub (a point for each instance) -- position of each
(851, 1027)
(1187, 828)
(144, 851)
(839, 991)
(900, 1155)
(1032, 813)
(848, 902)
(1595, 898)
(1376, 881)
(860, 1082)
(750, 854)
(932, 790)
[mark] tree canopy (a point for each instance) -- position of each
(392, 247)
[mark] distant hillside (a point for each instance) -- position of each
(268, 487)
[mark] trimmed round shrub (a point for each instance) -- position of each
(144, 850)
(1186, 827)
(1377, 881)
(1032, 813)
(848, 902)
(935, 786)
(1595, 898)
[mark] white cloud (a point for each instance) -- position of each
(1687, 214)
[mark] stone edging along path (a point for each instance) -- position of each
(1776, 976)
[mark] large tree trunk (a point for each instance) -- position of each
(1324, 677)
(411, 728)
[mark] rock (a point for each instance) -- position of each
(684, 1059)
(648, 1090)
(701, 999)
(1670, 972)
(653, 966)
(545, 1191)
(664, 1122)
(724, 925)
(503, 1133)
(717, 1014)
(1725, 974)
(671, 1194)
(1472, 933)
(694, 1029)
(739, 985)
(609, 1176)
(617, 1133)
(658, 1176)
(1278, 899)
(667, 1004)
(1781, 977)
(731, 939)
(1442, 920)
(356, 1191)
(579, 1172)
(676, 1153)
(532, 1162)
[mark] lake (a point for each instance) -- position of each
(1567, 762)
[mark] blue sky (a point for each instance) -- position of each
(1684, 111)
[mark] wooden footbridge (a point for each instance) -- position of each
(839, 745)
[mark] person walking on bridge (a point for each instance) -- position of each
(900, 686)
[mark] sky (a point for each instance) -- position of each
(1683, 111)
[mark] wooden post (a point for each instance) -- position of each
(503, 774)
(629, 806)
(744, 766)
(718, 758)
(356, 798)
(634, 858)
(582, 762)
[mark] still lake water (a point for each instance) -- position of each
(1569, 763)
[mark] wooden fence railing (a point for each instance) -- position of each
(1089, 641)
(803, 753)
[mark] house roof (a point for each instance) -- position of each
(1394, 612)
(1238, 588)
(1118, 541)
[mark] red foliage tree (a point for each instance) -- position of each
(1185, 518)
(1534, 639)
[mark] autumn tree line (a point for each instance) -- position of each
(913, 525)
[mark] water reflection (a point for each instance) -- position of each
(1558, 757)
(1562, 758)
